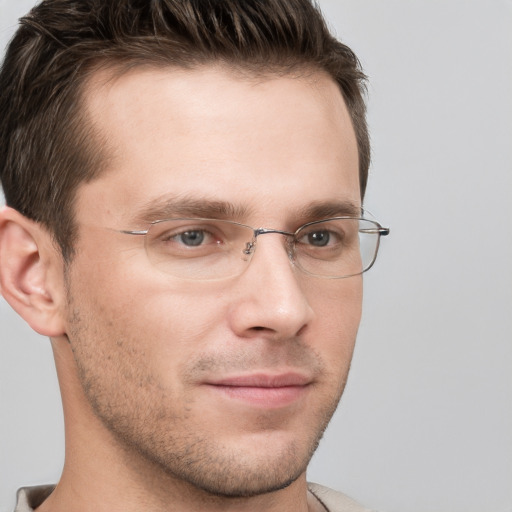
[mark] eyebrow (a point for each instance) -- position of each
(319, 210)
(168, 207)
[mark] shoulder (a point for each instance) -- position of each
(335, 501)
(29, 498)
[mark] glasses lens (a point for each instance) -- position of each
(337, 248)
(198, 248)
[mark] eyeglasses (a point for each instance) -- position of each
(211, 249)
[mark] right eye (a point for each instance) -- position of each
(185, 239)
(191, 238)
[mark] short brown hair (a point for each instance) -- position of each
(47, 146)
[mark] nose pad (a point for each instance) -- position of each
(249, 248)
(290, 249)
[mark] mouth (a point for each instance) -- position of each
(263, 390)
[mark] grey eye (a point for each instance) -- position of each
(192, 238)
(319, 238)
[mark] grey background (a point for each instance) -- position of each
(426, 421)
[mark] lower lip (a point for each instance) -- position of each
(269, 398)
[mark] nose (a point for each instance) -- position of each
(270, 299)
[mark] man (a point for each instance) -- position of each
(200, 359)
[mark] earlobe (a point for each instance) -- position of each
(28, 276)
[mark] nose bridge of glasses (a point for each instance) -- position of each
(250, 246)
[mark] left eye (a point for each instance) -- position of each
(318, 238)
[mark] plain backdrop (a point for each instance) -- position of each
(425, 424)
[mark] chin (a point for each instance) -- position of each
(241, 479)
(260, 467)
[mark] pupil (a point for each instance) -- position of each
(192, 238)
(319, 238)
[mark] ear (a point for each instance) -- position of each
(31, 273)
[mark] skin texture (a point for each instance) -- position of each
(143, 357)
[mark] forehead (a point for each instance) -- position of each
(210, 133)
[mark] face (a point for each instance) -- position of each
(226, 385)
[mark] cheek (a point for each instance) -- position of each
(129, 293)
(133, 342)
(337, 306)
(165, 326)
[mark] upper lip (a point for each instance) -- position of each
(263, 380)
